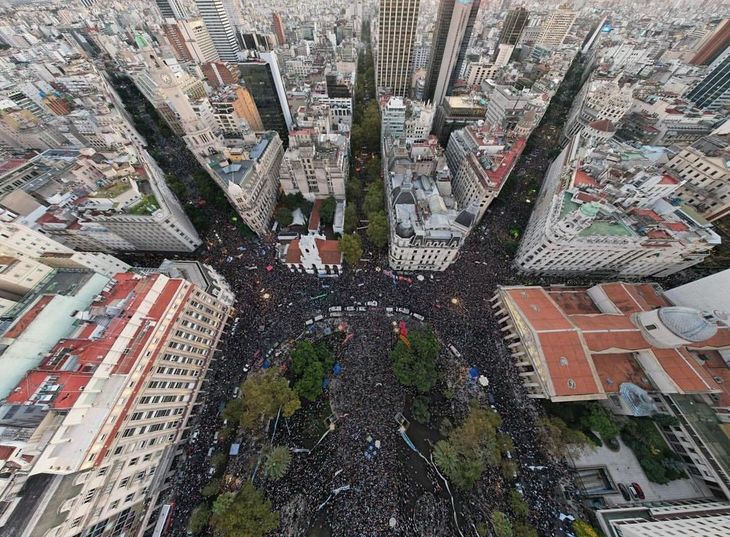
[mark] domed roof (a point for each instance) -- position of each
(687, 323)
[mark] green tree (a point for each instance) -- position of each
(327, 211)
(351, 220)
(218, 461)
(416, 365)
(351, 247)
(472, 445)
(373, 168)
(508, 468)
(276, 462)
(523, 529)
(378, 230)
(233, 410)
(602, 421)
(374, 200)
(199, 519)
(212, 488)
(284, 216)
(302, 356)
(309, 385)
(419, 409)
(559, 438)
(353, 190)
(263, 394)
(244, 514)
(518, 504)
(501, 524)
(583, 529)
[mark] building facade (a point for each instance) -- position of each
(395, 36)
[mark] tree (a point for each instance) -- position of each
(212, 488)
(462, 457)
(501, 524)
(558, 437)
(354, 189)
(374, 199)
(233, 410)
(508, 468)
(518, 504)
(218, 461)
(523, 529)
(351, 247)
(602, 421)
(309, 385)
(378, 230)
(351, 220)
(583, 529)
(416, 365)
(327, 211)
(276, 462)
(284, 216)
(199, 519)
(244, 514)
(302, 356)
(373, 168)
(419, 409)
(263, 395)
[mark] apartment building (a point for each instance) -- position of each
(248, 172)
(427, 227)
(22, 242)
(599, 99)
(703, 168)
(606, 209)
(104, 414)
(556, 26)
(480, 161)
(315, 165)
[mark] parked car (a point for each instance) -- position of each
(638, 490)
(634, 494)
(624, 492)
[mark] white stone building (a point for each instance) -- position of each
(598, 99)
(592, 217)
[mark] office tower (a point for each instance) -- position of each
(713, 45)
(234, 108)
(556, 27)
(263, 80)
(278, 28)
(514, 23)
(460, 65)
(396, 31)
(191, 41)
(713, 91)
(105, 407)
(220, 28)
(172, 9)
(448, 37)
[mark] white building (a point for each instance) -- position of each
(220, 28)
(427, 227)
(22, 242)
(704, 170)
(248, 173)
(593, 216)
(599, 99)
(406, 120)
(315, 165)
(555, 27)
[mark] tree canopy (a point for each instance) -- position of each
(310, 364)
(244, 514)
(199, 519)
(351, 219)
(378, 229)
(351, 247)
(374, 202)
(327, 211)
(276, 462)
(283, 216)
(262, 395)
(469, 447)
(501, 524)
(416, 365)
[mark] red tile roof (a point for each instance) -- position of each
(583, 179)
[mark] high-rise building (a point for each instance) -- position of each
(278, 28)
(713, 91)
(263, 80)
(713, 45)
(396, 30)
(191, 41)
(172, 9)
(599, 99)
(219, 26)
(556, 27)
(512, 27)
(450, 32)
(461, 59)
(104, 412)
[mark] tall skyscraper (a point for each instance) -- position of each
(713, 45)
(396, 30)
(220, 28)
(278, 28)
(556, 26)
(172, 9)
(263, 80)
(451, 24)
(514, 23)
(459, 69)
(713, 91)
